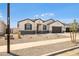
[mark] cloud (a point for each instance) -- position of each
(0, 16)
(47, 14)
(36, 16)
(44, 15)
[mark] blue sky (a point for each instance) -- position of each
(64, 12)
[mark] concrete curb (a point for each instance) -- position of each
(60, 51)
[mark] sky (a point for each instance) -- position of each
(64, 12)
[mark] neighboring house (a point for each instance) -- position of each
(14, 30)
(2, 28)
(31, 26)
(67, 27)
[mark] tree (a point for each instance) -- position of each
(73, 31)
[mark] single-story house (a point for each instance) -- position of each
(67, 26)
(34, 26)
(2, 28)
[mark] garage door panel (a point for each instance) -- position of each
(56, 29)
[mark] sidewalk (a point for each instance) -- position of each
(32, 44)
(70, 53)
(43, 49)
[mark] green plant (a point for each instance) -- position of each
(73, 31)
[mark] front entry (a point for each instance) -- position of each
(56, 29)
(38, 28)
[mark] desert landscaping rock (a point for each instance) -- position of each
(33, 38)
(38, 50)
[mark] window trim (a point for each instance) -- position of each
(28, 26)
(44, 27)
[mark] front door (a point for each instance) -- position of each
(38, 28)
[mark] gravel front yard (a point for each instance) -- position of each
(40, 50)
(33, 38)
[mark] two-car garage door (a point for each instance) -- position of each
(56, 29)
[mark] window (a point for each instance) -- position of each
(44, 27)
(28, 26)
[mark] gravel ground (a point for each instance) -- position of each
(33, 38)
(36, 51)
(40, 50)
(5, 54)
(77, 54)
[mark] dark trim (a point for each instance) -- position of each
(57, 21)
(30, 26)
(42, 32)
(61, 22)
(50, 23)
(30, 20)
(25, 20)
(23, 32)
(27, 32)
(49, 20)
(39, 19)
(44, 27)
(35, 20)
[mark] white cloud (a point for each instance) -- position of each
(47, 14)
(52, 14)
(0, 16)
(44, 15)
(36, 16)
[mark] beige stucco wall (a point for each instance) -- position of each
(15, 30)
(41, 25)
(34, 25)
(47, 22)
(2, 28)
(46, 26)
(57, 24)
(22, 24)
